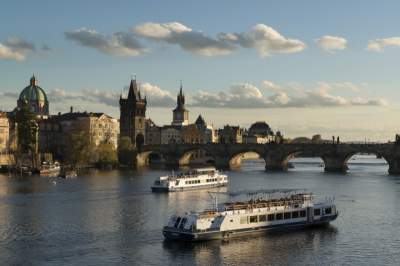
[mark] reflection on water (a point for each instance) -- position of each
(113, 218)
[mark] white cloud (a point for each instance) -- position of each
(119, 43)
(189, 40)
(157, 96)
(331, 43)
(378, 45)
(266, 40)
(16, 49)
(249, 96)
(263, 38)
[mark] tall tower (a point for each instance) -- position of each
(180, 114)
(132, 115)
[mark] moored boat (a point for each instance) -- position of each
(68, 174)
(192, 179)
(50, 169)
(255, 216)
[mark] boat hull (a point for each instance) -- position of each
(178, 235)
(176, 189)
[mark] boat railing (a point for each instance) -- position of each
(185, 175)
(262, 204)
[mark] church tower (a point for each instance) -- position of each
(133, 115)
(180, 114)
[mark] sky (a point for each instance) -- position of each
(304, 67)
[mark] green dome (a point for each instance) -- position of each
(33, 93)
(35, 97)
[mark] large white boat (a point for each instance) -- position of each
(192, 179)
(255, 216)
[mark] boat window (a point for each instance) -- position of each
(271, 217)
(177, 183)
(243, 220)
(303, 213)
(254, 219)
(317, 212)
(295, 215)
(182, 224)
(286, 215)
(262, 218)
(279, 216)
(177, 221)
(328, 210)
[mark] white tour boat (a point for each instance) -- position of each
(288, 210)
(192, 179)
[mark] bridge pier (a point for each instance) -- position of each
(336, 164)
(222, 162)
(394, 165)
(275, 163)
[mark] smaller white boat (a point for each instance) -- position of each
(192, 179)
(50, 169)
(69, 174)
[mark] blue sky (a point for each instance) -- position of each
(325, 89)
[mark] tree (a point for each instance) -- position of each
(107, 155)
(27, 130)
(79, 149)
(125, 149)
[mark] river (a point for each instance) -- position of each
(109, 218)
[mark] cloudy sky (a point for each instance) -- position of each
(305, 68)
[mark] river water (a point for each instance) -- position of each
(108, 218)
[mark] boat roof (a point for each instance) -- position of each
(270, 192)
(205, 169)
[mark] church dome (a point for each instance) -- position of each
(260, 128)
(35, 97)
(33, 93)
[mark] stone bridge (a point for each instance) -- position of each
(276, 156)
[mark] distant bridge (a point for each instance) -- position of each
(276, 156)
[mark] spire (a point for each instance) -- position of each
(181, 97)
(132, 89)
(200, 120)
(33, 80)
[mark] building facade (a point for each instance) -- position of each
(171, 135)
(230, 134)
(199, 132)
(4, 133)
(133, 115)
(55, 131)
(259, 133)
(180, 113)
(153, 133)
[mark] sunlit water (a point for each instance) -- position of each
(108, 218)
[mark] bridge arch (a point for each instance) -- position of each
(146, 158)
(285, 163)
(236, 158)
(379, 155)
(196, 155)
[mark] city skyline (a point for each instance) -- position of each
(302, 77)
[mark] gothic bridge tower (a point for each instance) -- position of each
(132, 115)
(180, 113)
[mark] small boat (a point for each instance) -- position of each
(287, 210)
(69, 174)
(192, 179)
(50, 169)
